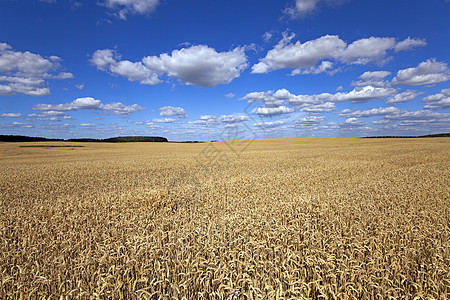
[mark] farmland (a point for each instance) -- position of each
(282, 218)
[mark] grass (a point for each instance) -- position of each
(286, 219)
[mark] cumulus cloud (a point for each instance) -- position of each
(352, 122)
(270, 124)
(382, 111)
(272, 111)
(304, 8)
(16, 125)
(314, 109)
(171, 111)
(363, 51)
(165, 120)
(405, 114)
(200, 65)
(409, 43)
(197, 65)
(79, 86)
(405, 96)
(438, 101)
(10, 115)
(373, 78)
(267, 98)
(319, 55)
(311, 104)
(232, 119)
(230, 95)
(118, 108)
(308, 122)
(298, 55)
(26, 72)
(206, 121)
(49, 115)
(363, 94)
(109, 60)
(89, 103)
(427, 72)
(125, 7)
(324, 67)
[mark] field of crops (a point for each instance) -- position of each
(271, 219)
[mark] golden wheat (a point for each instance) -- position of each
(284, 219)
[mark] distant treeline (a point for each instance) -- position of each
(21, 138)
(402, 137)
(120, 139)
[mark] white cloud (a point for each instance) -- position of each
(104, 58)
(126, 7)
(270, 124)
(134, 72)
(373, 78)
(382, 111)
(322, 68)
(405, 96)
(77, 104)
(380, 122)
(232, 119)
(304, 8)
(165, 120)
(305, 58)
(87, 125)
(230, 95)
(267, 36)
(312, 104)
(16, 125)
(206, 121)
(437, 125)
(272, 111)
(25, 72)
(107, 60)
(417, 115)
(208, 117)
(317, 108)
(308, 122)
(200, 65)
(267, 98)
(438, 101)
(372, 49)
(79, 86)
(409, 43)
(352, 122)
(90, 104)
(118, 108)
(171, 111)
(298, 55)
(427, 72)
(10, 115)
(48, 113)
(197, 65)
(363, 94)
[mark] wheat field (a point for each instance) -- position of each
(263, 219)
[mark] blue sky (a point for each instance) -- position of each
(211, 70)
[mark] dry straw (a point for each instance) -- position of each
(287, 219)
